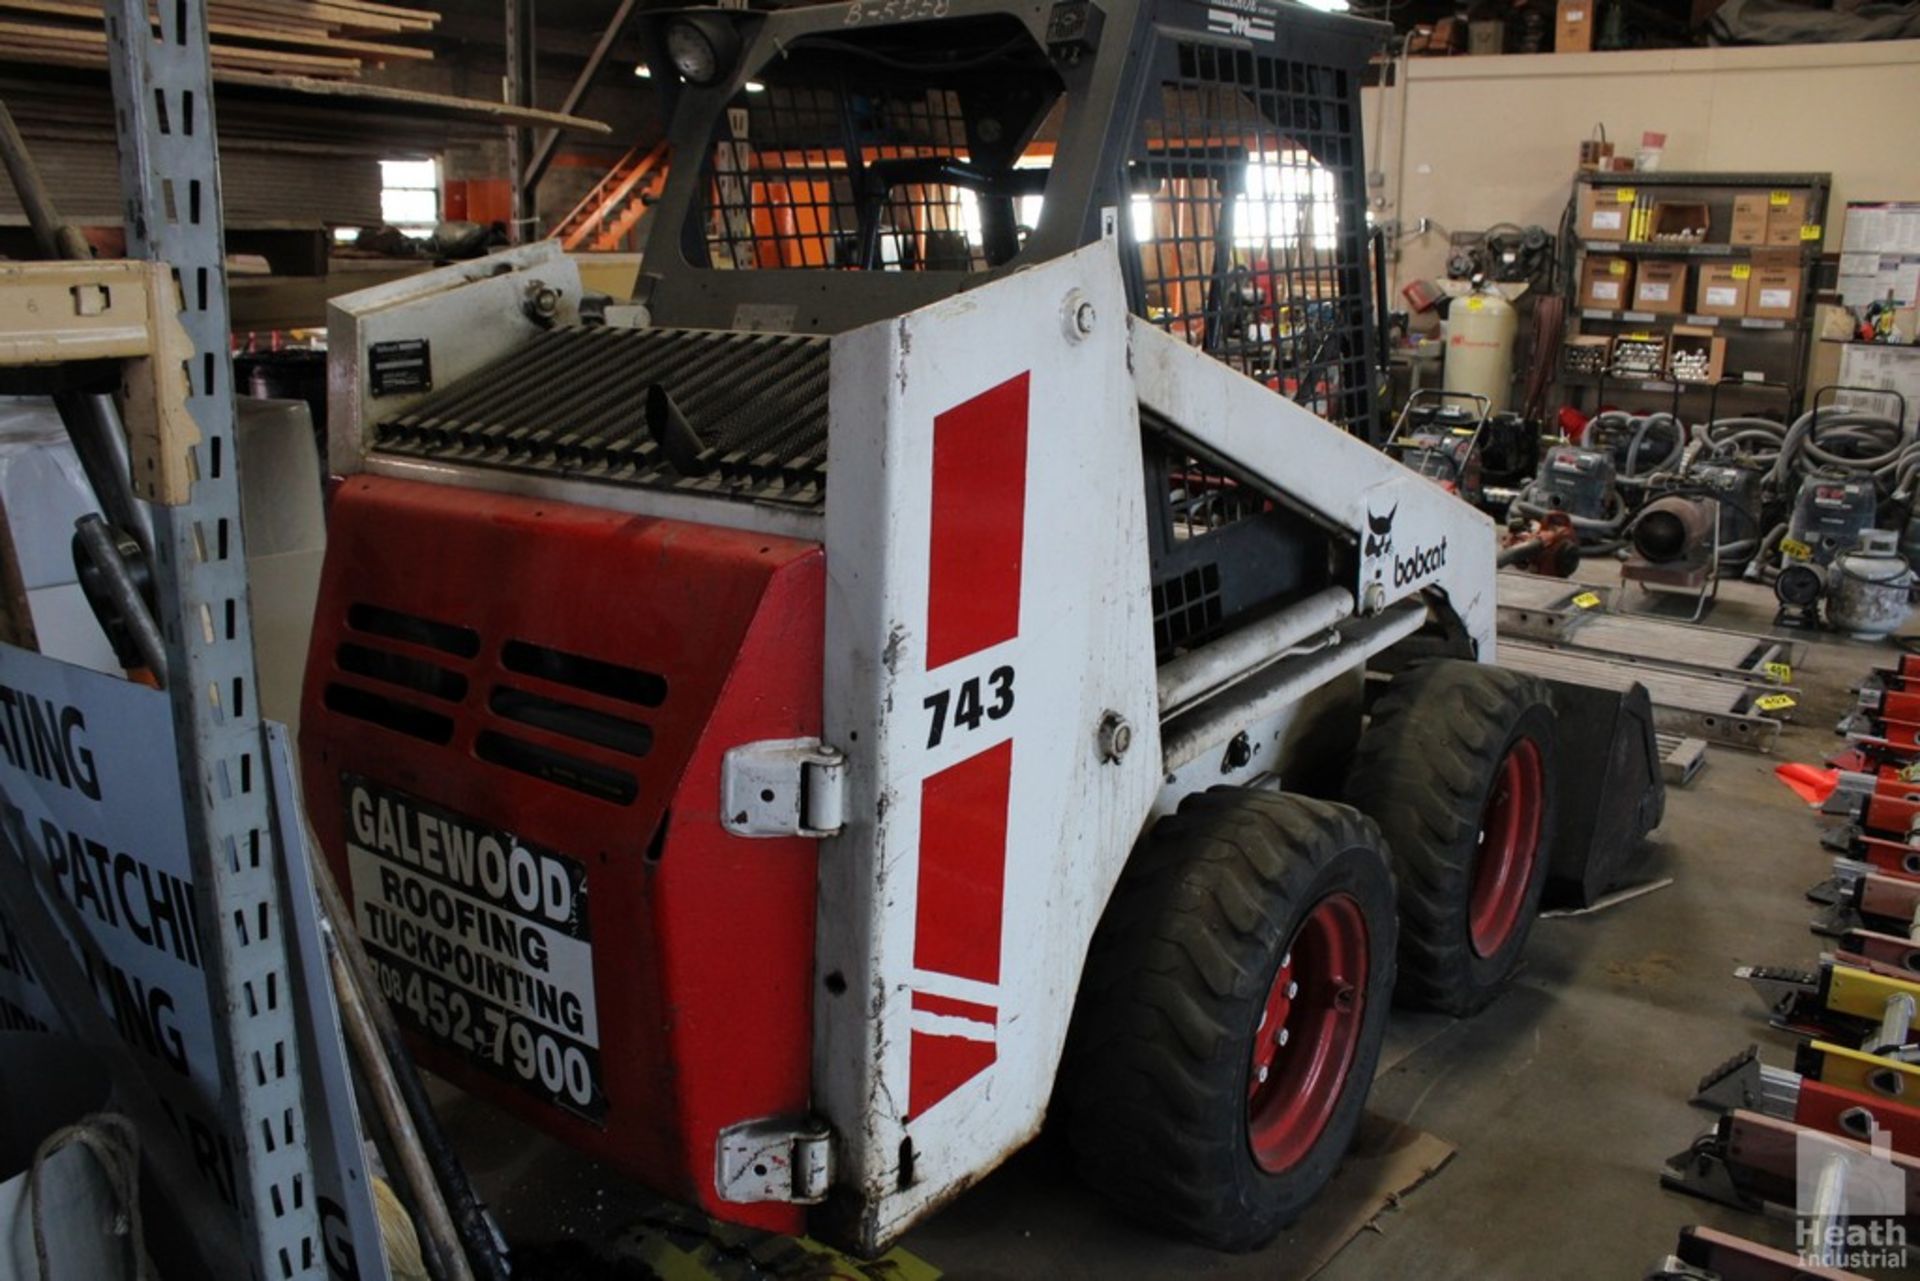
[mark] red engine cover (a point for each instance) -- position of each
(513, 723)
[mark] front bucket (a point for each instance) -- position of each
(1612, 792)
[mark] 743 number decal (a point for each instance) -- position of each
(969, 705)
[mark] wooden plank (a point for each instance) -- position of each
(25, 36)
(369, 48)
(499, 112)
(326, 15)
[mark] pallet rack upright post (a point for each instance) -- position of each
(169, 172)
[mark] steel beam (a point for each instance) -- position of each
(550, 140)
(521, 57)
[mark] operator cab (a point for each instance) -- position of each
(846, 163)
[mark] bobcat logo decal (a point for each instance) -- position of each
(1380, 532)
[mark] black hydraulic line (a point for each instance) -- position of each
(97, 541)
(1517, 552)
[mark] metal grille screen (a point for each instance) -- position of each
(1248, 216)
(843, 160)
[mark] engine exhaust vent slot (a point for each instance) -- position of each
(399, 669)
(389, 713)
(603, 782)
(595, 676)
(602, 729)
(450, 638)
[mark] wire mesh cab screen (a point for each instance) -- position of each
(883, 150)
(1248, 218)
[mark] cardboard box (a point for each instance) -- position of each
(1749, 219)
(1679, 222)
(1786, 214)
(1660, 286)
(1573, 33)
(1774, 291)
(1689, 343)
(1587, 354)
(1606, 213)
(1606, 282)
(1596, 153)
(1722, 289)
(1639, 355)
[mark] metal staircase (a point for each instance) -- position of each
(601, 222)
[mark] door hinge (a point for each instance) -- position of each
(783, 787)
(775, 1159)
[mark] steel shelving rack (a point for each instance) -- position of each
(1778, 347)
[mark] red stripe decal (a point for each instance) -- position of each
(963, 866)
(933, 1003)
(941, 1065)
(978, 511)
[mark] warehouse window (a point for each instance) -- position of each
(1290, 201)
(410, 195)
(409, 199)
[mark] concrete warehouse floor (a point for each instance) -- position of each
(1563, 1099)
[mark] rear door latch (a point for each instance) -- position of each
(783, 787)
(775, 1159)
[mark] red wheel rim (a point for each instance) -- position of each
(1508, 848)
(1309, 1029)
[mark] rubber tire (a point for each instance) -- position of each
(1423, 772)
(1155, 1077)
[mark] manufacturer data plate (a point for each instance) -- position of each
(395, 367)
(481, 941)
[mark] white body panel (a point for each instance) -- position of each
(469, 313)
(1434, 540)
(1084, 646)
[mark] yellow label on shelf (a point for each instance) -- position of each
(1809, 231)
(1625, 195)
(1774, 702)
(1476, 303)
(1780, 199)
(1586, 600)
(1742, 270)
(1618, 267)
(1779, 671)
(1794, 549)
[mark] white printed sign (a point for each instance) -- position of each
(1606, 290)
(1722, 295)
(1607, 220)
(480, 940)
(90, 774)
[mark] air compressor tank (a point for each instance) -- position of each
(1480, 332)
